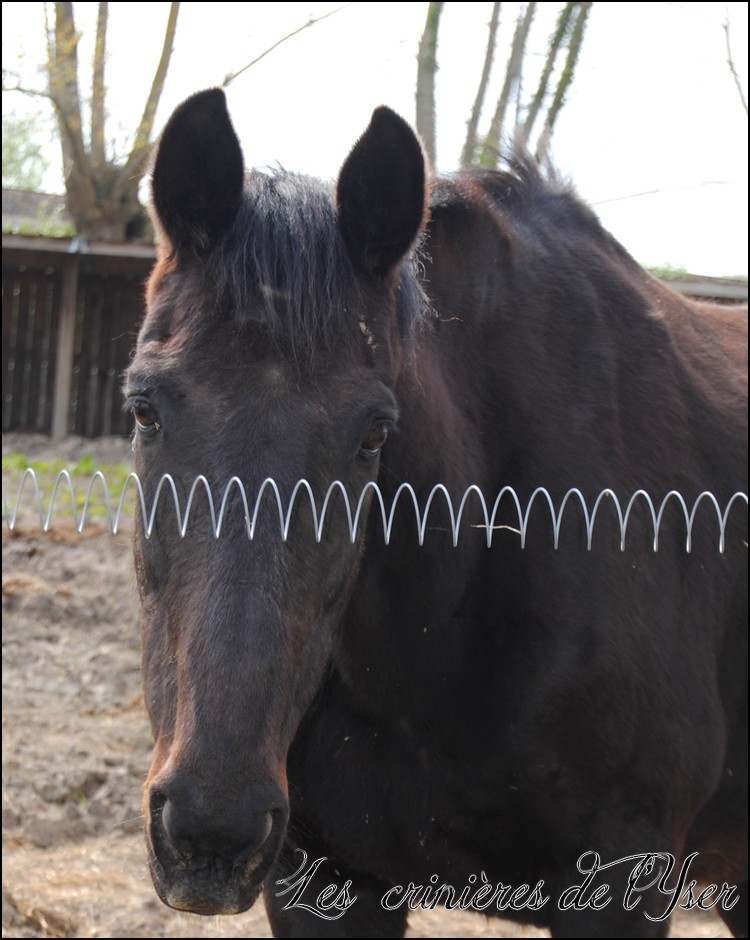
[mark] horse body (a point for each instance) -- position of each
(404, 712)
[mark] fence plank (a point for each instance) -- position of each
(28, 337)
(65, 347)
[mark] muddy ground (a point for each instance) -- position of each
(76, 742)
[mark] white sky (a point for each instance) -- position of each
(653, 108)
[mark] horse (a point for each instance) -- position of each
(359, 721)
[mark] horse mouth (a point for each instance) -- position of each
(208, 883)
(212, 888)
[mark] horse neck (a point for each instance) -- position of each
(540, 355)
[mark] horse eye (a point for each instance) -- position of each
(145, 416)
(375, 439)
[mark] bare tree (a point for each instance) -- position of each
(102, 192)
(101, 189)
(516, 115)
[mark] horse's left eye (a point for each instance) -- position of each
(145, 416)
(375, 439)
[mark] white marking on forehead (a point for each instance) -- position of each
(655, 312)
(367, 333)
(274, 292)
(274, 375)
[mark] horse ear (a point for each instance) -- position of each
(198, 173)
(381, 194)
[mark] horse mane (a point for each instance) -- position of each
(552, 243)
(284, 265)
(536, 197)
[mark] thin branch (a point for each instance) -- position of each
(31, 92)
(311, 22)
(659, 192)
(470, 144)
(54, 100)
(140, 148)
(732, 69)
(98, 156)
(34, 93)
(566, 80)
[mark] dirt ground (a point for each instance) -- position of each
(76, 743)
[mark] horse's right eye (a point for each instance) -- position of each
(145, 416)
(375, 440)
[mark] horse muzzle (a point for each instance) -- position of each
(212, 856)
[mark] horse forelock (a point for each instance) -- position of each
(284, 266)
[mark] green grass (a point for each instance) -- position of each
(50, 228)
(81, 473)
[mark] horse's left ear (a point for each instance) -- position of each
(381, 194)
(198, 173)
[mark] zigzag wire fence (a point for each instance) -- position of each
(404, 493)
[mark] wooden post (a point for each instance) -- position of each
(65, 347)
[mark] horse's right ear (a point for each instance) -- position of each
(198, 173)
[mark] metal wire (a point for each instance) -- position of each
(98, 495)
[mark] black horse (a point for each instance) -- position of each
(551, 734)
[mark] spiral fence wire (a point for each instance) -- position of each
(99, 496)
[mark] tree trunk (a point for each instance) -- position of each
(426, 70)
(98, 90)
(104, 218)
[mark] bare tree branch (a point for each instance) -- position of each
(25, 90)
(512, 78)
(140, 149)
(311, 22)
(661, 191)
(98, 156)
(102, 192)
(566, 79)
(426, 69)
(732, 69)
(62, 46)
(470, 144)
(523, 131)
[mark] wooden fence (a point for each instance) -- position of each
(70, 321)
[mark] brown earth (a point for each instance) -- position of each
(76, 743)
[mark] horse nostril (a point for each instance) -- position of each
(168, 821)
(175, 827)
(268, 828)
(193, 831)
(156, 803)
